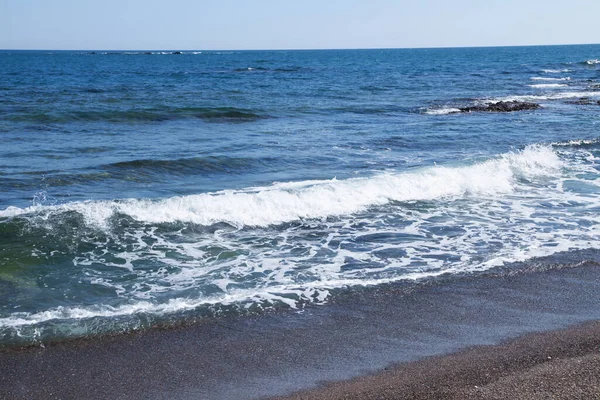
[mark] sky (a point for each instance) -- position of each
(284, 24)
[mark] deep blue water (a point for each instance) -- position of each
(142, 188)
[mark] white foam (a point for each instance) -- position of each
(12, 211)
(549, 96)
(281, 203)
(318, 291)
(592, 62)
(547, 85)
(576, 142)
(555, 71)
(105, 311)
(540, 78)
(508, 208)
(442, 111)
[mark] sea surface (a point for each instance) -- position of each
(142, 189)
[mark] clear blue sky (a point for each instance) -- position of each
(301, 24)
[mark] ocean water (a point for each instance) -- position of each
(152, 188)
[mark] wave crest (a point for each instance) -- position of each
(211, 164)
(548, 85)
(541, 78)
(555, 71)
(287, 202)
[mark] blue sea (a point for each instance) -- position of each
(145, 189)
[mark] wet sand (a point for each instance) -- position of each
(562, 364)
(358, 334)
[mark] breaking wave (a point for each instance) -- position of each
(442, 111)
(286, 202)
(539, 78)
(555, 71)
(548, 85)
(549, 96)
(293, 243)
(559, 95)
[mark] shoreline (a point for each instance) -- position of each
(278, 354)
(561, 364)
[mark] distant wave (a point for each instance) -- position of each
(135, 53)
(592, 62)
(555, 71)
(443, 111)
(147, 170)
(548, 85)
(211, 164)
(540, 78)
(248, 69)
(576, 143)
(218, 114)
(549, 96)
(264, 69)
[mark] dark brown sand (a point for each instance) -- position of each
(360, 333)
(563, 364)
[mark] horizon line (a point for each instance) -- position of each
(309, 49)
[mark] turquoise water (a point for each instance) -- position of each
(141, 189)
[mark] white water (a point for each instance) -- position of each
(481, 215)
(543, 97)
(548, 85)
(443, 111)
(540, 78)
(561, 95)
(287, 202)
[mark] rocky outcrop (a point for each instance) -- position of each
(501, 106)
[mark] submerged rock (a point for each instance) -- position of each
(502, 106)
(584, 101)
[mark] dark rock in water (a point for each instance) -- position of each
(147, 52)
(584, 101)
(502, 106)
(176, 52)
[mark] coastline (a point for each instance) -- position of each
(360, 334)
(560, 364)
